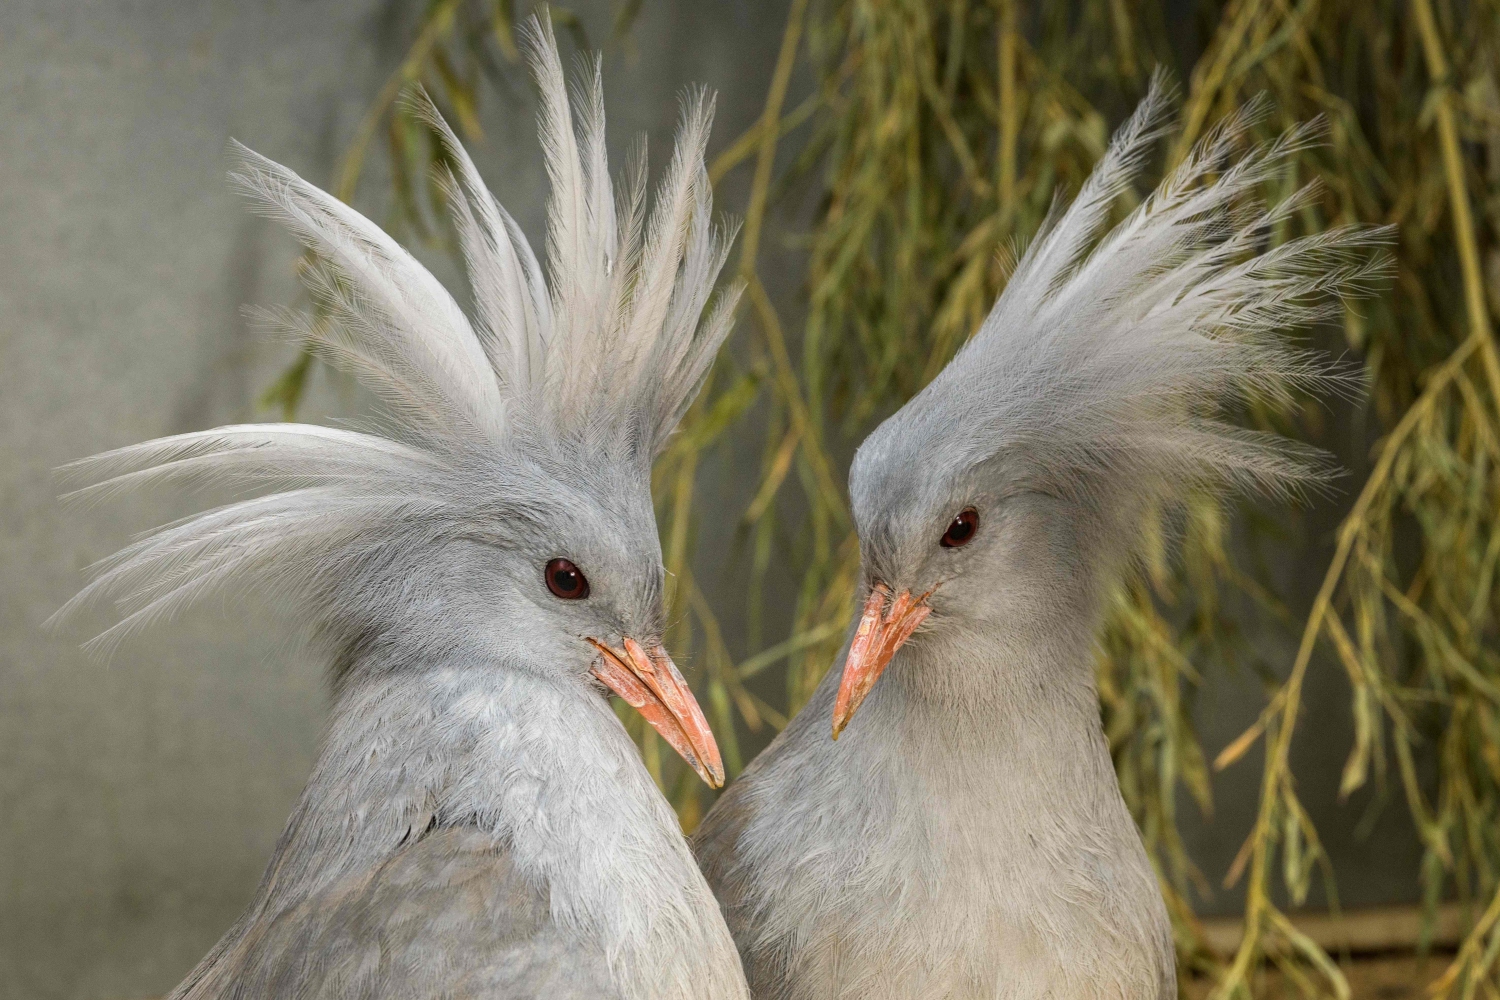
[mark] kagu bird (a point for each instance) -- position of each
(478, 823)
(965, 837)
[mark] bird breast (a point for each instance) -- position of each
(911, 876)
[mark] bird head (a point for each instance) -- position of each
(1001, 500)
(568, 585)
(502, 506)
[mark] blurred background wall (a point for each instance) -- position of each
(140, 799)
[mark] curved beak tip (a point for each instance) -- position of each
(884, 626)
(650, 682)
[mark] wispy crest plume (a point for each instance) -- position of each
(1109, 355)
(600, 357)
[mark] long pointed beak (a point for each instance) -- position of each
(883, 627)
(651, 684)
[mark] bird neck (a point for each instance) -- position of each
(1017, 790)
(969, 816)
(1015, 714)
(546, 768)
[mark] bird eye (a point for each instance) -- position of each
(962, 529)
(566, 580)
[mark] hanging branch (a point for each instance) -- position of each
(932, 137)
(1365, 530)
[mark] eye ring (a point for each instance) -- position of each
(962, 530)
(566, 580)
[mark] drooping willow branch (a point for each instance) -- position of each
(932, 137)
(1476, 956)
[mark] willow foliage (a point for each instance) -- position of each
(935, 135)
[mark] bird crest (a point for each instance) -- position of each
(600, 357)
(1104, 362)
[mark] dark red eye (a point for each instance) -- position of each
(566, 580)
(962, 529)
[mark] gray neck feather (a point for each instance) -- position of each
(549, 772)
(1008, 724)
(979, 842)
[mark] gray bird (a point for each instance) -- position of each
(965, 837)
(482, 572)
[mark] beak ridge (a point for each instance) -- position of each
(650, 683)
(882, 630)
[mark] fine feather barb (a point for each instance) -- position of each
(602, 353)
(1107, 356)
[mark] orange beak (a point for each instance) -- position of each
(882, 629)
(651, 684)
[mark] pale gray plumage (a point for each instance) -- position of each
(966, 836)
(478, 823)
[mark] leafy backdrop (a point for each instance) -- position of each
(930, 139)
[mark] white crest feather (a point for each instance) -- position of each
(1117, 359)
(600, 357)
